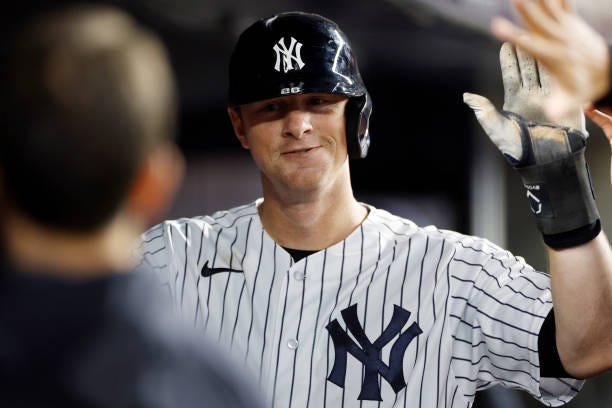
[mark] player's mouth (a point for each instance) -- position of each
(300, 152)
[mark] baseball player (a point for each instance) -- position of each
(332, 302)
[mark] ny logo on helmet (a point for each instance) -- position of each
(288, 56)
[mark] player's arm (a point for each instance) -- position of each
(575, 54)
(550, 160)
(581, 281)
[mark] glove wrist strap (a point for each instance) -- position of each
(573, 238)
(562, 199)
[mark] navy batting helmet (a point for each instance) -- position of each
(297, 53)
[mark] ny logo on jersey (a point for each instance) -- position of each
(369, 354)
(288, 55)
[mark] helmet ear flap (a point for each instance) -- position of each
(357, 116)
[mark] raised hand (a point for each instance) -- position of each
(549, 157)
(574, 53)
(527, 88)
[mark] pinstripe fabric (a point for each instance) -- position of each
(479, 308)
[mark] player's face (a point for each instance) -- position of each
(298, 141)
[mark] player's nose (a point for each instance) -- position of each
(297, 123)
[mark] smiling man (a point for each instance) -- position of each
(296, 281)
(303, 170)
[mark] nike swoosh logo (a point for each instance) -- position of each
(206, 271)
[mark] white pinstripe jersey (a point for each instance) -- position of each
(431, 314)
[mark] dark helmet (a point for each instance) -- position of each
(297, 53)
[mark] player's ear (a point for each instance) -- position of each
(156, 183)
(238, 125)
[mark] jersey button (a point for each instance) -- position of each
(298, 275)
(293, 344)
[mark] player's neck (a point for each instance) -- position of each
(36, 249)
(313, 222)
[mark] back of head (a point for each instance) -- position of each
(87, 94)
(298, 53)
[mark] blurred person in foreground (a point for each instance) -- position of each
(86, 162)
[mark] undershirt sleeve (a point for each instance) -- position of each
(550, 362)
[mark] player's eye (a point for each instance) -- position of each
(317, 101)
(270, 107)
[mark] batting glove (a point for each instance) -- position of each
(549, 157)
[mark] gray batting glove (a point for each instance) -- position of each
(549, 157)
(526, 87)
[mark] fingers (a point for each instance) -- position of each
(567, 6)
(605, 109)
(546, 7)
(482, 107)
(505, 30)
(544, 50)
(519, 69)
(556, 9)
(489, 118)
(601, 119)
(535, 18)
(511, 73)
(502, 131)
(528, 67)
(546, 79)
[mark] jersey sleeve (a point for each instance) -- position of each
(172, 250)
(500, 304)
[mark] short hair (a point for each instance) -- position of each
(88, 93)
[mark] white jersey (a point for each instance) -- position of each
(393, 316)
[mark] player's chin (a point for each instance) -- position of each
(305, 178)
(317, 162)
